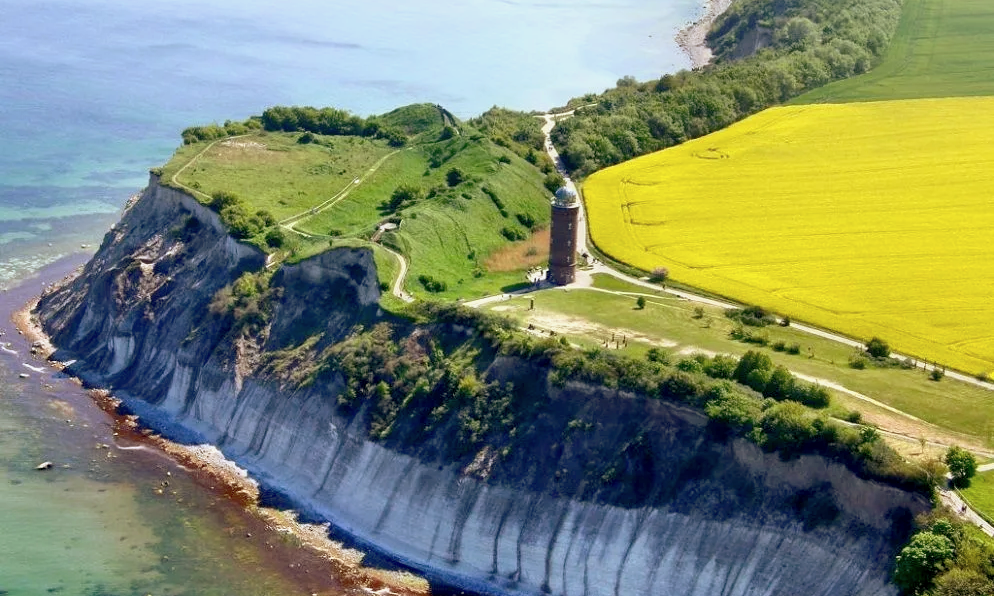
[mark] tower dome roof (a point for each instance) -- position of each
(565, 196)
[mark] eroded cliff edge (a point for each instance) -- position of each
(691, 514)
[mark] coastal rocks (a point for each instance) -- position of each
(694, 514)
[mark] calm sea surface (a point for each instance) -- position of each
(95, 92)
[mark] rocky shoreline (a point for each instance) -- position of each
(212, 469)
(692, 38)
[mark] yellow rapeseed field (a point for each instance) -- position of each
(873, 219)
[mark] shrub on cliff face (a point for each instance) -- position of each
(248, 301)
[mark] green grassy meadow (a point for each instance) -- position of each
(272, 171)
(592, 316)
(942, 48)
(980, 493)
(448, 234)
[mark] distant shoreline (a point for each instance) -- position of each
(691, 38)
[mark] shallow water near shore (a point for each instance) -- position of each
(93, 94)
(114, 516)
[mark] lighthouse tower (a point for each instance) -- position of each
(562, 241)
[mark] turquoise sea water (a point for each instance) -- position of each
(94, 92)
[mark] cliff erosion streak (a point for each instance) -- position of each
(713, 518)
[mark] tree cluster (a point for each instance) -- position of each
(945, 557)
(212, 132)
(329, 121)
(808, 43)
(235, 215)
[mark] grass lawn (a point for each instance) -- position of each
(448, 236)
(942, 48)
(272, 171)
(980, 493)
(964, 411)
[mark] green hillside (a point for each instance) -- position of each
(457, 197)
(942, 48)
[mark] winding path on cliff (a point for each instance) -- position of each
(291, 222)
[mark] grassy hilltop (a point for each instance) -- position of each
(470, 215)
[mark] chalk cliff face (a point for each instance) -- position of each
(693, 514)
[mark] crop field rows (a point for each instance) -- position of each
(868, 218)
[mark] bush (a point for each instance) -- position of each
(657, 355)
(306, 138)
(720, 367)
(794, 349)
(878, 348)
(754, 316)
(431, 284)
(454, 177)
(222, 199)
(640, 302)
(963, 582)
(936, 374)
(553, 182)
(857, 361)
(788, 427)
(749, 362)
(513, 234)
(275, 238)
(728, 408)
(525, 219)
(780, 385)
(660, 275)
(404, 195)
(758, 379)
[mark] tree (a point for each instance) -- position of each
(800, 33)
(640, 303)
(660, 275)
(962, 464)
(921, 561)
(878, 348)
